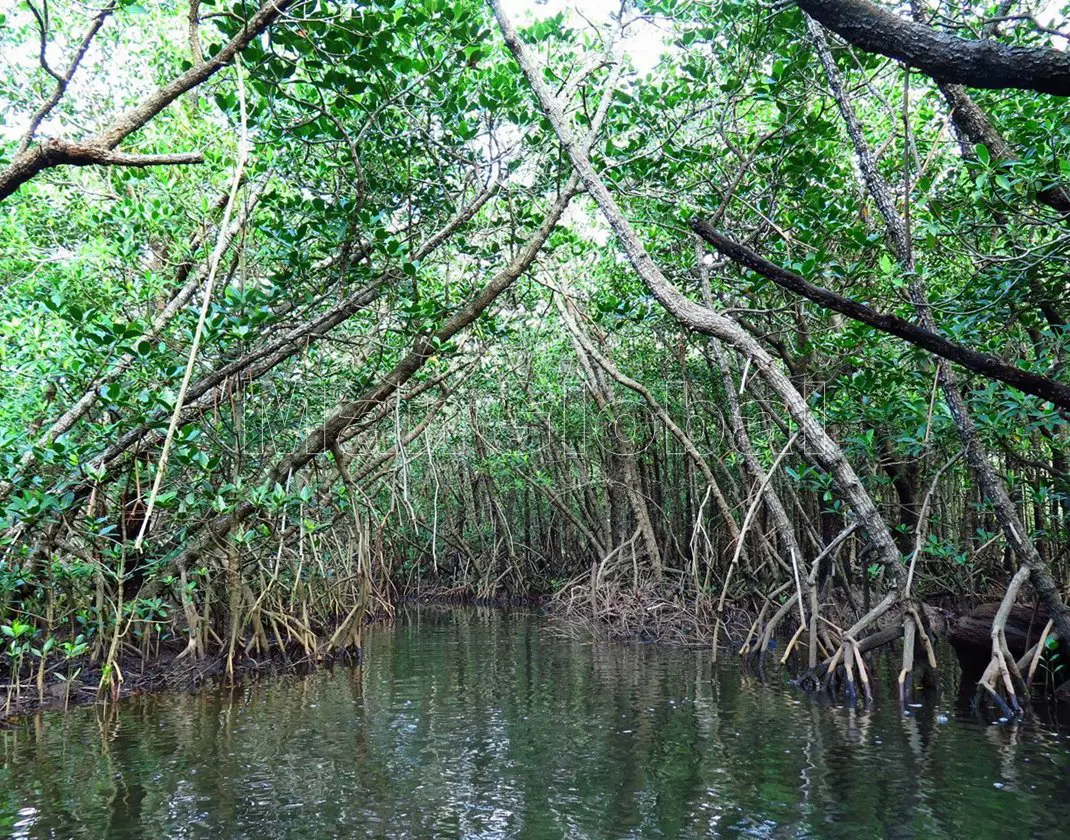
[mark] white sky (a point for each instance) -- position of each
(643, 42)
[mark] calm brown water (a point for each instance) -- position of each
(482, 724)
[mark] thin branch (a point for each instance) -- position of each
(62, 81)
(98, 148)
(217, 256)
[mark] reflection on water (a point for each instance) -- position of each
(482, 724)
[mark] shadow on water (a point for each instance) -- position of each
(480, 723)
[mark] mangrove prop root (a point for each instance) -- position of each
(1002, 671)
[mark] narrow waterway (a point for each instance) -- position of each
(479, 723)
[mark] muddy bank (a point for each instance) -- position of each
(166, 672)
(170, 670)
(622, 617)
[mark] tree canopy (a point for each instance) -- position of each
(703, 317)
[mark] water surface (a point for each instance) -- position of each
(485, 724)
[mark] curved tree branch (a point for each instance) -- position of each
(982, 363)
(98, 149)
(981, 64)
(821, 448)
(62, 81)
(350, 412)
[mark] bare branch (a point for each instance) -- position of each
(194, 32)
(42, 29)
(63, 81)
(82, 154)
(94, 151)
(982, 363)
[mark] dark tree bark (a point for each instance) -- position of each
(982, 363)
(975, 128)
(904, 477)
(981, 64)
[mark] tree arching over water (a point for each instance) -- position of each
(485, 310)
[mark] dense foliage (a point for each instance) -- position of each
(413, 369)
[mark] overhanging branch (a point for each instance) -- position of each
(980, 64)
(98, 149)
(980, 363)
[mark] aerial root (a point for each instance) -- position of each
(756, 643)
(849, 654)
(1032, 656)
(913, 632)
(907, 671)
(844, 664)
(1001, 681)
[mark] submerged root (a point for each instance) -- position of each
(846, 668)
(1031, 659)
